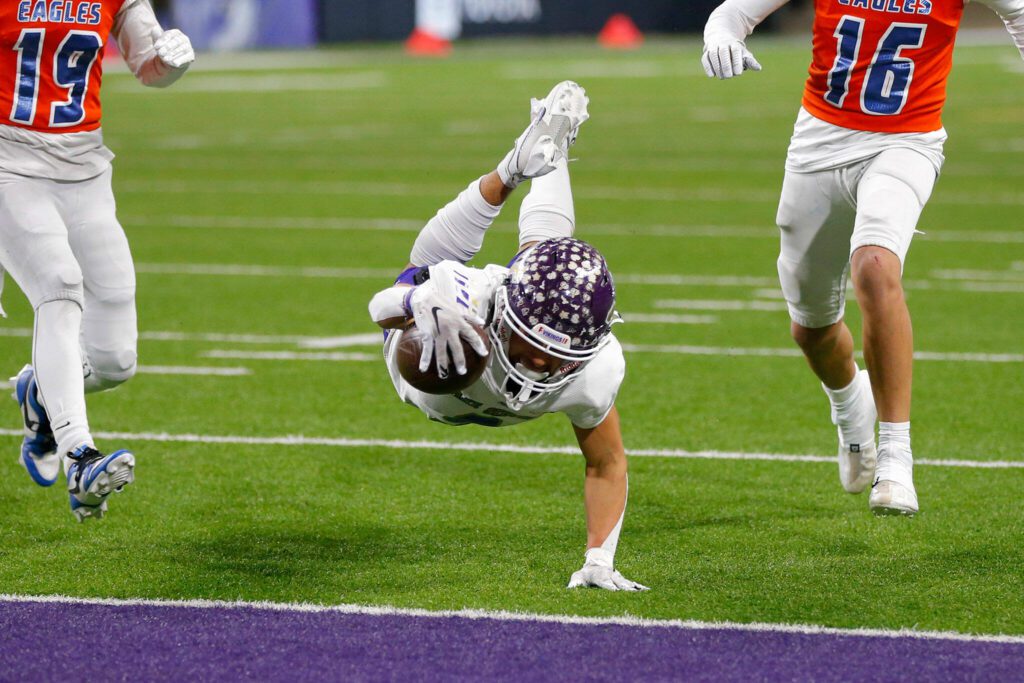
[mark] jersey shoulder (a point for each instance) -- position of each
(588, 398)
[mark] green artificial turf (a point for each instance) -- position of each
(677, 175)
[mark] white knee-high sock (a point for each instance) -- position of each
(57, 360)
(547, 211)
(456, 233)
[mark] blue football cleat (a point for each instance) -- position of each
(93, 476)
(39, 449)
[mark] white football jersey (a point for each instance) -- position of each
(586, 400)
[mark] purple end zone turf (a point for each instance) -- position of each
(48, 642)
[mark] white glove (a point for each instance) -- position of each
(441, 309)
(597, 572)
(173, 48)
(728, 60)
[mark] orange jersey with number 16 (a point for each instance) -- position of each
(882, 65)
(51, 55)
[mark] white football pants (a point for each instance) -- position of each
(62, 244)
(824, 217)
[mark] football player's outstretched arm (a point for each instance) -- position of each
(1012, 14)
(725, 54)
(158, 58)
(604, 493)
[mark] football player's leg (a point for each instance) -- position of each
(34, 249)
(547, 211)
(890, 197)
(109, 327)
(816, 218)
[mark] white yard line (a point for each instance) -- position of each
(448, 447)
(335, 357)
(256, 83)
(720, 305)
(372, 339)
(496, 615)
(192, 370)
(669, 319)
(796, 353)
(590, 192)
(671, 280)
(377, 224)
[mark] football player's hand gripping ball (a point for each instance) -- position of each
(173, 48)
(444, 321)
(727, 60)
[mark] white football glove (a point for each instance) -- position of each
(441, 309)
(598, 572)
(728, 60)
(173, 48)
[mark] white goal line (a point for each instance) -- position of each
(501, 615)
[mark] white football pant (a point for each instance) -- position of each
(62, 244)
(824, 217)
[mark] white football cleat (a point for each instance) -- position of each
(92, 477)
(554, 126)
(893, 491)
(857, 460)
(38, 448)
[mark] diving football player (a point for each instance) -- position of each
(548, 314)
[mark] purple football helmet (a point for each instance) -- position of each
(560, 298)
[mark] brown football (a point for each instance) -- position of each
(411, 345)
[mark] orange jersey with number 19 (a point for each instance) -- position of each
(882, 65)
(51, 54)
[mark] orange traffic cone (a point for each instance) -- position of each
(620, 33)
(425, 44)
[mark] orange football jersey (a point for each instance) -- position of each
(51, 62)
(882, 65)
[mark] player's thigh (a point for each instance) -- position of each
(109, 327)
(34, 245)
(815, 220)
(891, 194)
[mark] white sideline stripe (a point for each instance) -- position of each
(295, 355)
(398, 444)
(192, 370)
(795, 353)
(496, 615)
(378, 224)
(720, 305)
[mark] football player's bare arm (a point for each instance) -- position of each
(604, 489)
(604, 493)
(158, 58)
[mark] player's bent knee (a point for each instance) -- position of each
(813, 338)
(111, 367)
(877, 272)
(63, 283)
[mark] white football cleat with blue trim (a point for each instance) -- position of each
(92, 477)
(39, 448)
